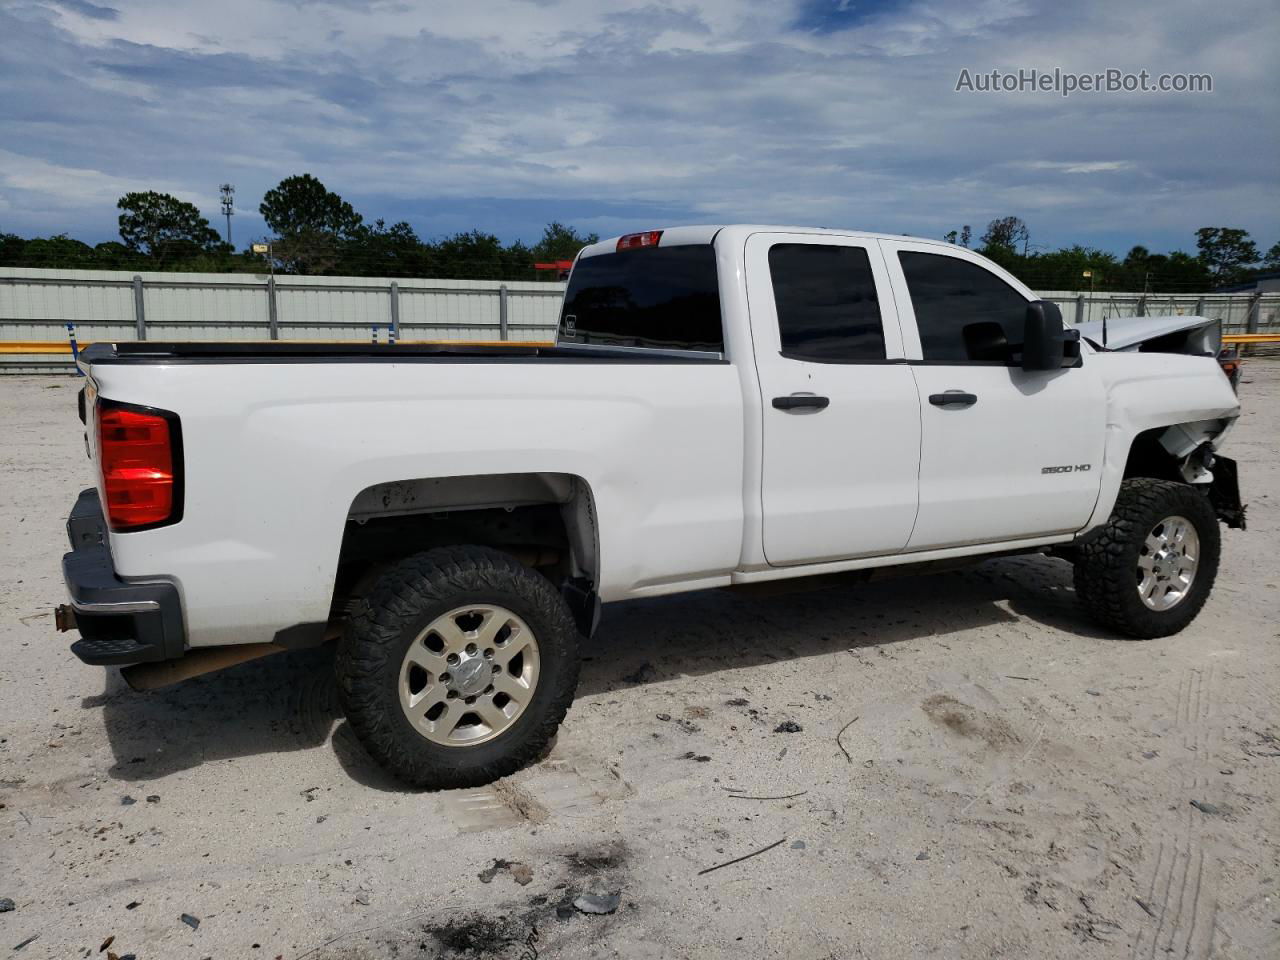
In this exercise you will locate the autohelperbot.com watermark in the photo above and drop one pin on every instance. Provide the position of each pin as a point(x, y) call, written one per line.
point(1065, 82)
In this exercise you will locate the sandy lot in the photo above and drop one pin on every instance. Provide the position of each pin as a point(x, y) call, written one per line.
point(1009, 782)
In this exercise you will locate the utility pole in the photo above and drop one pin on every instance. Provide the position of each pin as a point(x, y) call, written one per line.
point(228, 206)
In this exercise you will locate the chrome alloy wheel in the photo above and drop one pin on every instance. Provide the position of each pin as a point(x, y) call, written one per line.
point(469, 675)
point(1167, 563)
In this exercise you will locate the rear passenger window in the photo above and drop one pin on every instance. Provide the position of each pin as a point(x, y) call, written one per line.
point(826, 300)
point(965, 313)
point(658, 297)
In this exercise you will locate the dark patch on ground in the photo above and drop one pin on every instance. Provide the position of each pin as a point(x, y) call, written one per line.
point(968, 722)
point(476, 935)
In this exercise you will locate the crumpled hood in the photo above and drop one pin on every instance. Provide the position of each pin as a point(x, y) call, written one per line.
point(1127, 333)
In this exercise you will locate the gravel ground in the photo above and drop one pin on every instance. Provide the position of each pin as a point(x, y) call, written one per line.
point(973, 771)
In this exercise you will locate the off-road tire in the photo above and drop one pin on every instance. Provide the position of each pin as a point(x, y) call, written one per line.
point(1106, 560)
point(402, 602)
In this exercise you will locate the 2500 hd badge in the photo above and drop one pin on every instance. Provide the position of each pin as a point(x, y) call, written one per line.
point(1068, 468)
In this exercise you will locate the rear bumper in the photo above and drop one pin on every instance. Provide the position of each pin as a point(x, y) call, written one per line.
point(119, 622)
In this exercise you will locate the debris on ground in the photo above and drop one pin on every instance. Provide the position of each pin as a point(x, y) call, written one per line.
point(308, 793)
point(127, 801)
point(133, 905)
point(521, 873)
point(747, 856)
point(798, 845)
point(6, 905)
point(1208, 808)
point(664, 717)
point(696, 757)
point(31, 939)
point(190, 921)
point(922, 855)
point(737, 702)
point(1093, 693)
point(107, 942)
point(847, 755)
point(788, 726)
point(597, 903)
point(153, 798)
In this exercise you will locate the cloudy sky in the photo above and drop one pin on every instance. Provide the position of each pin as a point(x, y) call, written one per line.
point(641, 113)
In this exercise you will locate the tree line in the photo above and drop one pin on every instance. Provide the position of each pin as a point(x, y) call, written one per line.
point(1224, 256)
point(315, 232)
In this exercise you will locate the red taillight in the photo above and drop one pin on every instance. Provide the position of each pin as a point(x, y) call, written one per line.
point(633, 240)
point(136, 449)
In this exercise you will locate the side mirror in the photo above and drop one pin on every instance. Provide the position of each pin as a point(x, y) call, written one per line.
point(1046, 343)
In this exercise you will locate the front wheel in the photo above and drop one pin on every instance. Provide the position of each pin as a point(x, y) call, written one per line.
point(1149, 570)
point(458, 667)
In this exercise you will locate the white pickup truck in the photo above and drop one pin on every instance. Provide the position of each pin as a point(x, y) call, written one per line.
point(725, 405)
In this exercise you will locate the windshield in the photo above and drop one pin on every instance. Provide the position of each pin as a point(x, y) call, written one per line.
point(663, 297)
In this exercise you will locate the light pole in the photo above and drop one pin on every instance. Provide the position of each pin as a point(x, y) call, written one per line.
point(228, 206)
point(264, 249)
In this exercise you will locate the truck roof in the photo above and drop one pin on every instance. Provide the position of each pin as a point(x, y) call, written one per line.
point(705, 233)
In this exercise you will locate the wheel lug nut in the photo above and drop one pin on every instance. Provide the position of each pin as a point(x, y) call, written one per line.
point(453, 659)
point(445, 678)
point(496, 668)
point(471, 649)
point(488, 654)
point(489, 688)
point(471, 700)
point(451, 695)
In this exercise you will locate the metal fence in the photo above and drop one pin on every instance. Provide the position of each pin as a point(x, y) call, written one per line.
point(1239, 312)
point(45, 315)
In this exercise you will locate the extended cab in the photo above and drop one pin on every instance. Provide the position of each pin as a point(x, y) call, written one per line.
point(725, 405)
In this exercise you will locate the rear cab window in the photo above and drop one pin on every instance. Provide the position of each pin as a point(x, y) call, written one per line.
point(658, 297)
point(825, 296)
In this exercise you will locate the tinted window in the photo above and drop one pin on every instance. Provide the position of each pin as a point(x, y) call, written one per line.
point(964, 311)
point(651, 297)
point(826, 299)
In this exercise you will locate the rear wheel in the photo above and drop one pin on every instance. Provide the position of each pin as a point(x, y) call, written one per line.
point(1149, 570)
point(458, 667)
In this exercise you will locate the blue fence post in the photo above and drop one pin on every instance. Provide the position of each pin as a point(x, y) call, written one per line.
point(75, 347)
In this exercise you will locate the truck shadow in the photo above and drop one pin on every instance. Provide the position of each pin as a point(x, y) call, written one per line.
point(288, 702)
point(646, 641)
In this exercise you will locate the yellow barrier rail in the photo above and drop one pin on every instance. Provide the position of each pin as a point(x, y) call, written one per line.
point(42, 347)
point(1251, 338)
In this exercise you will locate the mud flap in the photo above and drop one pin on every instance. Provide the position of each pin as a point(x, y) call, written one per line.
point(1224, 493)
